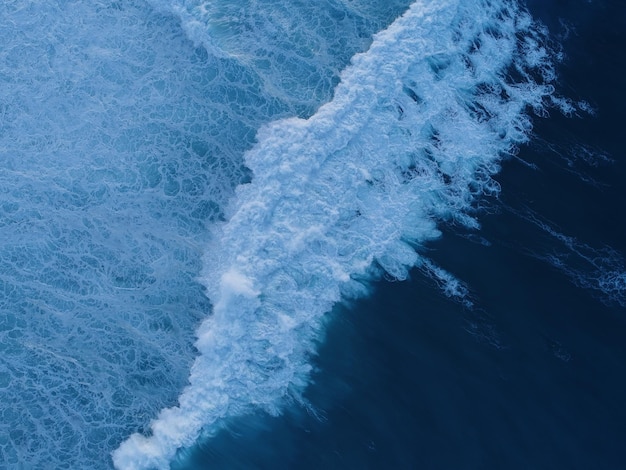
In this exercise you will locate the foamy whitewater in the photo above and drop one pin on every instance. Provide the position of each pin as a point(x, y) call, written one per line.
point(414, 132)
point(180, 209)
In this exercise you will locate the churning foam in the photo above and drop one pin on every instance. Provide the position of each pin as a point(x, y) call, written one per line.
point(296, 48)
point(416, 128)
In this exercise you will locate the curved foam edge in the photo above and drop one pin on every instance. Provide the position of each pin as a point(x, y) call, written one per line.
point(417, 127)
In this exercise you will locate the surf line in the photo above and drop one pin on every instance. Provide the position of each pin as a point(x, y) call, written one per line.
point(417, 127)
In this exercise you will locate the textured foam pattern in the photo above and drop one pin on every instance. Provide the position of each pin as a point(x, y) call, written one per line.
point(415, 131)
point(120, 144)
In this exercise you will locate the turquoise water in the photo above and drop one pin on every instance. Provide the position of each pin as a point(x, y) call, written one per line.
point(190, 189)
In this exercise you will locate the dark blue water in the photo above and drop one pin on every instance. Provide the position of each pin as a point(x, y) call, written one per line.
point(532, 375)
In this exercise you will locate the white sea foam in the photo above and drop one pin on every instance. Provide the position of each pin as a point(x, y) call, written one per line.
point(416, 128)
point(297, 48)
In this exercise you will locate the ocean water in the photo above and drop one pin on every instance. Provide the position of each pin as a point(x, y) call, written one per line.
point(285, 234)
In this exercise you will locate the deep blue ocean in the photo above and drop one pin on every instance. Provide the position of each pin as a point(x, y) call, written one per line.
point(343, 234)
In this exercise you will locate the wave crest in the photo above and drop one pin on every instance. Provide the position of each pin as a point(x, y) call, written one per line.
point(415, 131)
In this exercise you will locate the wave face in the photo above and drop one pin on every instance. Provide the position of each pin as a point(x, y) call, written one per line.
point(414, 133)
point(120, 145)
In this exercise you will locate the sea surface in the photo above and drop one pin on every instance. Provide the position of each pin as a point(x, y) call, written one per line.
point(344, 234)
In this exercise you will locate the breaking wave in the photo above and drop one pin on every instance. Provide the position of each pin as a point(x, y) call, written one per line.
point(417, 127)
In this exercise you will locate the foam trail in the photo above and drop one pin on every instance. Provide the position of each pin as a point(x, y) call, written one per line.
point(415, 131)
point(599, 269)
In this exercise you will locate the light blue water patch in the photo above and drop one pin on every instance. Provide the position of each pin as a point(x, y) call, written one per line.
point(415, 131)
point(106, 187)
point(121, 143)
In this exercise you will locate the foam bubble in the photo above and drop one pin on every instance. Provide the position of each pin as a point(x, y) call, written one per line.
point(416, 128)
